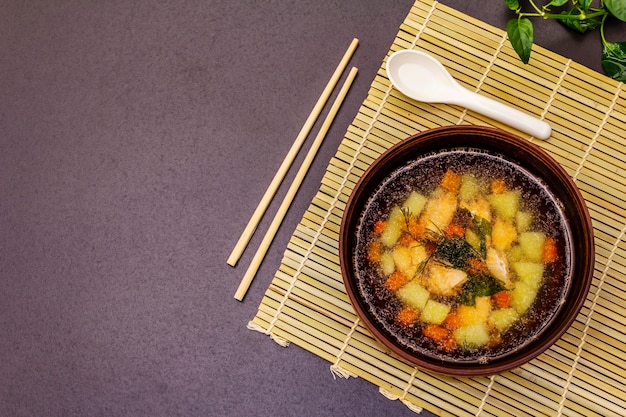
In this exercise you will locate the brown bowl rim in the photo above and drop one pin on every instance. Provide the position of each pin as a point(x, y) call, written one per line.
point(518, 146)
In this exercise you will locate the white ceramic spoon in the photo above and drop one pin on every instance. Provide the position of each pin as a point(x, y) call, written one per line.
point(421, 77)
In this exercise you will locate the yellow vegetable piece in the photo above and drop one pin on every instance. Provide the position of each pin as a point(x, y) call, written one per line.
point(530, 273)
point(506, 204)
point(522, 297)
point(532, 245)
point(472, 336)
point(414, 295)
point(387, 264)
point(478, 313)
point(502, 319)
point(469, 188)
point(523, 221)
point(390, 235)
point(415, 203)
point(503, 234)
point(403, 260)
point(434, 312)
point(515, 254)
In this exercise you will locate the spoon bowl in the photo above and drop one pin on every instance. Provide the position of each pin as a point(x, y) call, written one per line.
point(421, 77)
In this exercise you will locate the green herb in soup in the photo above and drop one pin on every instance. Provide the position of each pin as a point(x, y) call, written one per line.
point(465, 262)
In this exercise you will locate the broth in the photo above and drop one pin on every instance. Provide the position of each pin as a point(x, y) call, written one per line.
point(433, 262)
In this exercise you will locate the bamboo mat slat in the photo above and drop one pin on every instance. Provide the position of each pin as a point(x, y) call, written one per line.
point(584, 373)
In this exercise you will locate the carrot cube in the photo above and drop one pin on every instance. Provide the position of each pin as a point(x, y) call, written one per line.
point(451, 181)
point(435, 332)
point(550, 251)
point(498, 186)
point(502, 299)
point(407, 316)
point(396, 281)
point(374, 252)
point(379, 226)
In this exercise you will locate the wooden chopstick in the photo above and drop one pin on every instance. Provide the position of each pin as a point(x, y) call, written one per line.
point(254, 221)
point(293, 189)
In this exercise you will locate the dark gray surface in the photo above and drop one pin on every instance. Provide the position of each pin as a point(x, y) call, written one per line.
point(136, 139)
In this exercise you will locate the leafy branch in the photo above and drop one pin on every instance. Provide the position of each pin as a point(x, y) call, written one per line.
point(578, 15)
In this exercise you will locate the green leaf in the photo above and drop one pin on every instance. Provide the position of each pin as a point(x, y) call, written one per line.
point(557, 3)
point(512, 4)
point(483, 227)
point(575, 23)
point(584, 4)
point(614, 60)
point(617, 8)
point(454, 252)
point(479, 286)
point(521, 34)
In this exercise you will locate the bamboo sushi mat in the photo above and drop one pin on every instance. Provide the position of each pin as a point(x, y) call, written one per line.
point(584, 373)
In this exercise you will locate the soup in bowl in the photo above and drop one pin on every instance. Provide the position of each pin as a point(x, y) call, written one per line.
point(466, 250)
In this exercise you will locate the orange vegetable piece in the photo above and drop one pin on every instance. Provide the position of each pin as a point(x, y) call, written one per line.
point(396, 281)
point(406, 240)
point(451, 181)
point(498, 186)
point(448, 343)
point(502, 299)
point(455, 229)
point(374, 252)
point(407, 316)
point(416, 229)
point(452, 321)
point(379, 226)
point(436, 332)
point(550, 252)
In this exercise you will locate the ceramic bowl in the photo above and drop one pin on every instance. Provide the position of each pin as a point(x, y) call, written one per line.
point(407, 158)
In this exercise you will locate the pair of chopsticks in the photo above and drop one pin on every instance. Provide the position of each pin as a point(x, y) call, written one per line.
point(245, 237)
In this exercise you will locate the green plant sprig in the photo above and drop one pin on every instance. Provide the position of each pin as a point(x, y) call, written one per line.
point(578, 15)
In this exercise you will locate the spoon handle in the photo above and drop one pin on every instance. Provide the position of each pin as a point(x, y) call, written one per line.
point(505, 114)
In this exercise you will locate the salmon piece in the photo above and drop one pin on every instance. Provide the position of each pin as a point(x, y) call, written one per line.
point(445, 281)
point(498, 266)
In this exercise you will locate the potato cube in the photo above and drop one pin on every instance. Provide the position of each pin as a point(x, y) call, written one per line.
point(469, 188)
point(472, 336)
point(522, 297)
point(392, 231)
point(403, 260)
point(434, 312)
point(503, 234)
point(415, 203)
point(504, 318)
point(532, 245)
point(515, 254)
point(387, 265)
point(530, 273)
point(523, 221)
point(478, 313)
point(506, 204)
point(414, 295)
